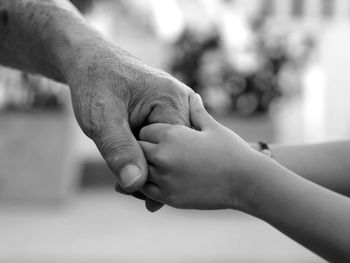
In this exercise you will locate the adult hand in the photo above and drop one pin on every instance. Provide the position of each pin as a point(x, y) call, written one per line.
point(114, 95)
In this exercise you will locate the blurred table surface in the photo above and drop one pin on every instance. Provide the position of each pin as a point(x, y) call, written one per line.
point(103, 226)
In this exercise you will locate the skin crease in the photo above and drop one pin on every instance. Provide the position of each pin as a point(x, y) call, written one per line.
point(210, 167)
point(113, 93)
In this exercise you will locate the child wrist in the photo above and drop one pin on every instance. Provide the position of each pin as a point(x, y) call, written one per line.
point(248, 192)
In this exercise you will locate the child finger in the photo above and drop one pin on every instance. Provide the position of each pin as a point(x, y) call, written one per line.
point(153, 133)
point(149, 150)
point(153, 176)
point(152, 191)
point(200, 118)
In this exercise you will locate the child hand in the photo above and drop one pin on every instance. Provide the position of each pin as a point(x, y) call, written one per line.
point(201, 168)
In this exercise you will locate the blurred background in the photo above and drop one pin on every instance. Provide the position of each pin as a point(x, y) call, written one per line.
point(273, 70)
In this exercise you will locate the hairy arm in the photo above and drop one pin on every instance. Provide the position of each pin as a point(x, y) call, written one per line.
point(35, 34)
point(326, 164)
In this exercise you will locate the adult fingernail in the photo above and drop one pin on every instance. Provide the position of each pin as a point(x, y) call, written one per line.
point(129, 175)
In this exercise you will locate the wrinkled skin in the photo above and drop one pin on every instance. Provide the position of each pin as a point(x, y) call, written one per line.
point(113, 93)
point(114, 98)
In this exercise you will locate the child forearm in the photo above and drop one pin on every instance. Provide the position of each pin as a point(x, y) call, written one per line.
point(327, 164)
point(312, 215)
point(213, 168)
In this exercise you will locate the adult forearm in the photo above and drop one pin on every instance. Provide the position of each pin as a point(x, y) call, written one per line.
point(42, 36)
point(312, 215)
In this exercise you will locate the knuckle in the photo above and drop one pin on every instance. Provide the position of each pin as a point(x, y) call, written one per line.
point(170, 103)
point(174, 93)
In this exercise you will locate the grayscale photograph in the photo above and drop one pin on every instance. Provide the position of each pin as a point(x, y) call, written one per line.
point(174, 131)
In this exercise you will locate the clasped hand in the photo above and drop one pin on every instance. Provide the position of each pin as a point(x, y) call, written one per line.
point(115, 96)
point(199, 168)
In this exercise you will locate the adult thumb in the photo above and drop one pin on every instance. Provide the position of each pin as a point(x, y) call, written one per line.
point(123, 155)
point(199, 117)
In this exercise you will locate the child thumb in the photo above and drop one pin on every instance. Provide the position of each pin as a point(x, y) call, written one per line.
point(199, 117)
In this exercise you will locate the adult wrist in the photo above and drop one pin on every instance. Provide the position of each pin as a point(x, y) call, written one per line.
point(69, 40)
